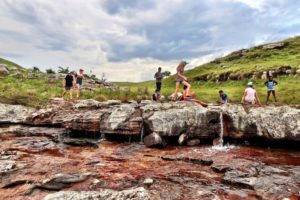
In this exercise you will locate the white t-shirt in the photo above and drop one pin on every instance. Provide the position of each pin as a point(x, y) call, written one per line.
point(250, 94)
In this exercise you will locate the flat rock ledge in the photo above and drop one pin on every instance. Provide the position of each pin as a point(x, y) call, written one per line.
point(156, 121)
point(105, 194)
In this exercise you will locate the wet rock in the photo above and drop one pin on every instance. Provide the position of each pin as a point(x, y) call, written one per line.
point(80, 142)
point(6, 166)
point(13, 114)
point(20, 130)
point(221, 168)
point(59, 181)
point(193, 142)
point(103, 194)
point(148, 181)
point(154, 140)
point(125, 119)
point(182, 139)
point(266, 181)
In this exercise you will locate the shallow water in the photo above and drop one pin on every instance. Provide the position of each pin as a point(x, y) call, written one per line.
point(177, 171)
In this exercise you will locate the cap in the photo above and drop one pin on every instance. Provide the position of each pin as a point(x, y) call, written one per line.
point(81, 70)
point(250, 83)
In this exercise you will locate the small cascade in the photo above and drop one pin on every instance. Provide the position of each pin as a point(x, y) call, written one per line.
point(221, 141)
point(220, 145)
point(142, 135)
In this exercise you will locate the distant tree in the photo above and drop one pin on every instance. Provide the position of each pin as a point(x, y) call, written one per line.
point(50, 71)
point(35, 69)
point(166, 73)
point(62, 70)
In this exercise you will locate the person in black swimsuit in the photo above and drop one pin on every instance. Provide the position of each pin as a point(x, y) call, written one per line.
point(68, 84)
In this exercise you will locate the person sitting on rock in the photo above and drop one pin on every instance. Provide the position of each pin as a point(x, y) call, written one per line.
point(68, 84)
point(271, 88)
point(156, 95)
point(223, 97)
point(250, 95)
point(191, 97)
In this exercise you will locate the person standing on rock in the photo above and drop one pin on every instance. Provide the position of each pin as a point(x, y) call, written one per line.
point(158, 76)
point(271, 88)
point(181, 79)
point(250, 95)
point(68, 84)
point(79, 78)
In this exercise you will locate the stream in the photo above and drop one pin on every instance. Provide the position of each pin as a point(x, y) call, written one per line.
point(175, 172)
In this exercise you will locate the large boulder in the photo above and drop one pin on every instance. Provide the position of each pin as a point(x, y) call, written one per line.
point(3, 70)
point(104, 194)
point(269, 122)
point(172, 119)
point(13, 114)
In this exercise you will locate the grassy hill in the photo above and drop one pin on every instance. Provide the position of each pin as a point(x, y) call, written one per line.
point(230, 73)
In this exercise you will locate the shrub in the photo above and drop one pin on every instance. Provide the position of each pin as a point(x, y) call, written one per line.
point(50, 71)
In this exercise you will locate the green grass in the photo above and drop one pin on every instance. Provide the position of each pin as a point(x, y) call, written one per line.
point(17, 89)
point(287, 89)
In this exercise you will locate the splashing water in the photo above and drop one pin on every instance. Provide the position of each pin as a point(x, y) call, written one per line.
point(142, 135)
point(220, 146)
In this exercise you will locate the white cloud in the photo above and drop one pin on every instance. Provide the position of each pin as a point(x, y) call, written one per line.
point(128, 39)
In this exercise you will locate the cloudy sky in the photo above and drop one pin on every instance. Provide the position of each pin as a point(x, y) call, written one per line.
point(128, 39)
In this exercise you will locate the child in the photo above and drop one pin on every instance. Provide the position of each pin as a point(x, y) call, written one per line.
point(271, 88)
point(223, 97)
point(191, 98)
point(250, 95)
point(156, 95)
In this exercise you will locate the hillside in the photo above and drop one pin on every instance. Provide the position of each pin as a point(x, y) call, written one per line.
point(250, 63)
point(32, 87)
point(230, 73)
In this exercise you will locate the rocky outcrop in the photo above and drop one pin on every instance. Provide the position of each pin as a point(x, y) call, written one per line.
point(3, 70)
point(14, 114)
point(105, 194)
point(158, 121)
point(269, 122)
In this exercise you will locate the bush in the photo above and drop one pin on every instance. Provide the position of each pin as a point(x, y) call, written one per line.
point(35, 69)
point(50, 71)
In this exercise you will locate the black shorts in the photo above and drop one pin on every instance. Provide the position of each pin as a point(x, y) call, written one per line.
point(158, 86)
point(69, 88)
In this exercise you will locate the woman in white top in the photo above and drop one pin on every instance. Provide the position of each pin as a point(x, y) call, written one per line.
point(250, 95)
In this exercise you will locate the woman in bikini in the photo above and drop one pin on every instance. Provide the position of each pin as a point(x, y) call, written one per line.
point(181, 79)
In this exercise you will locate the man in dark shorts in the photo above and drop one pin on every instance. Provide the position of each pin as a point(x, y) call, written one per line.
point(158, 76)
point(68, 84)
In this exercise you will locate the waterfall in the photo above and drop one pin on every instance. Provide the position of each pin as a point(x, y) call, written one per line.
point(142, 135)
point(222, 129)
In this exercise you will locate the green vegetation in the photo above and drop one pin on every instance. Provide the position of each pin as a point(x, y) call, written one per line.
point(17, 88)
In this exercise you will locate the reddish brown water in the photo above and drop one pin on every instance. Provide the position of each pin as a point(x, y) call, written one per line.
point(122, 165)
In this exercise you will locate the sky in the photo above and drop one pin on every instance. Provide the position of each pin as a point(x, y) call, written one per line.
point(129, 39)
